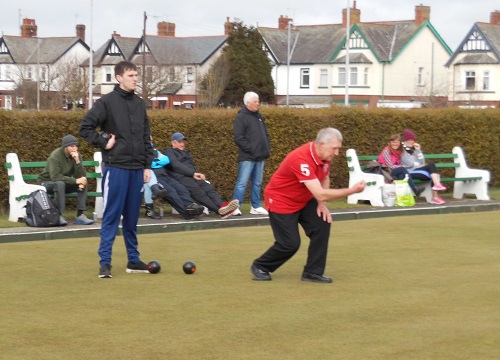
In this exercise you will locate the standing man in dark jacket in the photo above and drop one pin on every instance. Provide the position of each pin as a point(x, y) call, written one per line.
point(127, 155)
point(251, 137)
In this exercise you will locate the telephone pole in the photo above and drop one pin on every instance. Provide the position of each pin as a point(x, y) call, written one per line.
point(144, 92)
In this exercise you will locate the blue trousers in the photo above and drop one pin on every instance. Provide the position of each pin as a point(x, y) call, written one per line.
point(253, 171)
point(122, 196)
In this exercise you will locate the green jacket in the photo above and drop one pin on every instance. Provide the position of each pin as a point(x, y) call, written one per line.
point(62, 167)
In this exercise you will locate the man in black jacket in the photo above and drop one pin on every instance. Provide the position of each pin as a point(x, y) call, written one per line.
point(251, 137)
point(183, 169)
point(127, 155)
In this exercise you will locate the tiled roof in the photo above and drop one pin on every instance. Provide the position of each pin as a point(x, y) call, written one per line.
point(314, 44)
point(183, 50)
point(355, 58)
point(476, 59)
point(387, 39)
point(24, 50)
point(319, 43)
point(492, 33)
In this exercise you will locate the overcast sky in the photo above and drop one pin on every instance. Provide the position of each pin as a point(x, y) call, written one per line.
point(451, 18)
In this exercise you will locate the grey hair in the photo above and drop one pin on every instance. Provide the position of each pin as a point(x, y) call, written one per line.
point(328, 134)
point(249, 96)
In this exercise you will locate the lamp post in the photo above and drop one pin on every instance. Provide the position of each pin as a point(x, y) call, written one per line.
point(288, 64)
point(91, 57)
point(347, 35)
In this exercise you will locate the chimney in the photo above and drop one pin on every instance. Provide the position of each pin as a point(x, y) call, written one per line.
point(354, 15)
point(228, 27)
point(166, 29)
point(115, 34)
point(28, 28)
point(495, 17)
point(283, 22)
point(422, 14)
point(80, 32)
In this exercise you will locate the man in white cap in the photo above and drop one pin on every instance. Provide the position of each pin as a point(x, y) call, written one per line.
point(64, 174)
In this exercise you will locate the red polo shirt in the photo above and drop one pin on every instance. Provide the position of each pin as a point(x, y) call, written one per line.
point(286, 193)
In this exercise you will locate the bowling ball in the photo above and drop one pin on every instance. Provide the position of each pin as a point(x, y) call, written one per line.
point(154, 267)
point(189, 267)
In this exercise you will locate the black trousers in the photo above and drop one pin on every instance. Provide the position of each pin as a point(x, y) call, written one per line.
point(60, 189)
point(287, 239)
point(203, 193)
point(177, 194)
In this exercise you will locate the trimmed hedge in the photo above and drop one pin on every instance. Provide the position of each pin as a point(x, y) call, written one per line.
point(33, 135)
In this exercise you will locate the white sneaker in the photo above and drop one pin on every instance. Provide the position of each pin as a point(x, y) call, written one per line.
point(258, 211)
point(236, 212)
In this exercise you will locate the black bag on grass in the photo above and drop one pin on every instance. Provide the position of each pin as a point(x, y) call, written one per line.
point(41, 211)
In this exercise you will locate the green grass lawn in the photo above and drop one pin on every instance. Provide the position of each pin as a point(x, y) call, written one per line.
point(421, 287)
point(333, 205)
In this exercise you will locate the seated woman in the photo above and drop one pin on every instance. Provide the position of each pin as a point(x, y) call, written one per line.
point(413, 160)
point(391, 156)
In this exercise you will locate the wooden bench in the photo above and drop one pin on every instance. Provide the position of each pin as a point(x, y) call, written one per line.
point(19, 190)
point(465, 179)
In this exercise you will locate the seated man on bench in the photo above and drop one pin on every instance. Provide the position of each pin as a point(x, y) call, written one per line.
point(183, 169)
point(64, 174)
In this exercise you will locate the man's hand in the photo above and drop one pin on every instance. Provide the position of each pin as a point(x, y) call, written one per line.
point(323, 212)
point(416, 146)
point(82, 180)
point(147, 175)
point(359, 187)
point(199, 176)
point(111, 142)
point(75, 156)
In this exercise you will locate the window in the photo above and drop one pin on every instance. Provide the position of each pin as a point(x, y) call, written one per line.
point(470, 80)
point(107, 74)
point(486, 80)
point(365, 77)
point(189, 74)
point(149, 74)
point(304, 78)
point(323, 78)
point(171, 74)
point(420, 76)
point(43, 73)
point(29, 73)
point(354, 76)
point(93, 75)
point(342, 76)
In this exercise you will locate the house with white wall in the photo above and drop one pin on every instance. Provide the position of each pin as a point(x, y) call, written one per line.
point(29, 61)
point(389, 61)
point(474, 67)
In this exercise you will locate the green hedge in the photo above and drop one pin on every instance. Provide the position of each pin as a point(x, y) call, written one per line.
point(33, 135)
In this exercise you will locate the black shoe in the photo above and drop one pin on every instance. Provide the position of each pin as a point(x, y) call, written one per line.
point(105, 271)
point(260, 275)
point(420, 190)
point(195, 209)
point(150, 212)
point(306, 276)
point(139, 267)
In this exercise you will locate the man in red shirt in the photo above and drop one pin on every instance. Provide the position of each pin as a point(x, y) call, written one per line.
point(297, 194)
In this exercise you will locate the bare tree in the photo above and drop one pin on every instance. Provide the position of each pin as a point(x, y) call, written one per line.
point(71, 83)
point(212, 85)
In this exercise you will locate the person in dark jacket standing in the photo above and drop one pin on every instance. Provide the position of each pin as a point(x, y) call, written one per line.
point(124, 140)
point(251, 137)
